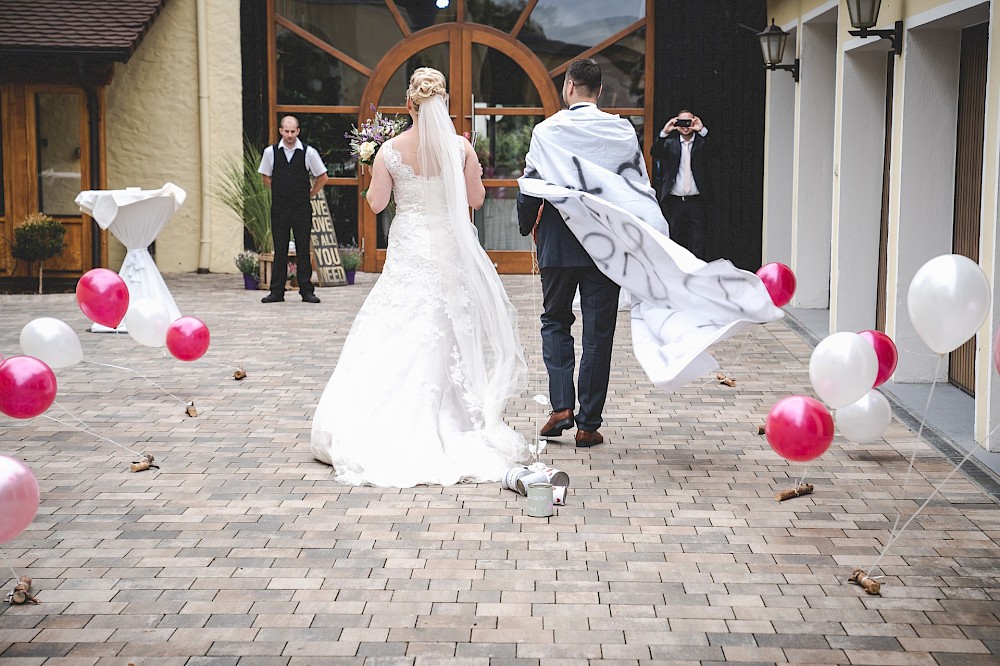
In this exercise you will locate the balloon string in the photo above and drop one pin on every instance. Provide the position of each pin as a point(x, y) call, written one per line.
point(893, 535)
point(134, 371)
point(17, 579)
point(803, 477)
point(748, 337)
point(89, 431)
point(536, 449)
point(923, 420)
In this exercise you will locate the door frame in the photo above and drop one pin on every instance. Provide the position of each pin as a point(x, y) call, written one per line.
point(21, 177)
point(460, 37)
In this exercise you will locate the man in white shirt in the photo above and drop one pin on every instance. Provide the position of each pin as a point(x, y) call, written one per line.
point(681, 149)
point(288, 178)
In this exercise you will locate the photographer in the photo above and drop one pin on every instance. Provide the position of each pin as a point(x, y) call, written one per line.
point(681, 149)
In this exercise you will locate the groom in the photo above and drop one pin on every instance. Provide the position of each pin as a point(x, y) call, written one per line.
point(566, 267)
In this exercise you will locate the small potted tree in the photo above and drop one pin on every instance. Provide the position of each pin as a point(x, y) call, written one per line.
point(248, 263)
point(38, 238)
point(350, 259)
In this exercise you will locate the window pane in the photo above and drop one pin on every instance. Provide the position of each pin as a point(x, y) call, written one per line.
point(307, 75)
point(557, 31)
point(363, 30)
point(496, 221)
point(343, 203)
point(499, 81)
point(499, 14)
point(420, 14)
point(623, 65)
point(325, 132)
point(502, 142)
point(395, 91)
point(57, 117)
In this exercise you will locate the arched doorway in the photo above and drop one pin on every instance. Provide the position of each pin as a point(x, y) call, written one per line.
point(499, 91)
point(330, 61)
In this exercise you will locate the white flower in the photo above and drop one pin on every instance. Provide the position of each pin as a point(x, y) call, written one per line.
point(367, 150)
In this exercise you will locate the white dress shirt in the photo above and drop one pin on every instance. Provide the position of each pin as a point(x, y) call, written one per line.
point(314, 163)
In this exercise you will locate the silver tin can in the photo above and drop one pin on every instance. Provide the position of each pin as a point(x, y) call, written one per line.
point(540, 500)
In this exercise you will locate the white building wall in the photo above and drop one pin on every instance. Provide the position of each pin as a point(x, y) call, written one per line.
point(152, 128)
point(812, 225)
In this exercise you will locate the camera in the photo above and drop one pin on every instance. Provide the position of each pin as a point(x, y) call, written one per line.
point(683, 122)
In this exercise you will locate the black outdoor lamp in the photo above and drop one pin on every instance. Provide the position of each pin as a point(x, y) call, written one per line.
point(772, 45)
point(864, 15)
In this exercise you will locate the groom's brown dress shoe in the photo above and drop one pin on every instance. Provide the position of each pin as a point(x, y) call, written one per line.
point(584, 438)
point(558, 421)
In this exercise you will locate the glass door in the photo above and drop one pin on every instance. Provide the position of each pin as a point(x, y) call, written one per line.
point(498, 92)
point(45, 156)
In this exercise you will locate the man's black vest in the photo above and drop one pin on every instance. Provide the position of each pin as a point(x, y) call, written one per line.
point(290, 179)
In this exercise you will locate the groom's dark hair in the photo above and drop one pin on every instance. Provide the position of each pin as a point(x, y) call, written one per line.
point(585, 73)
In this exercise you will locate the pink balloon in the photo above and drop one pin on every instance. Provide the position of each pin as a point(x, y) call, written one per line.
point(188, 338)
point(27, 387)
point(779, 280)
point(996, 350)
point(18, 497)
point(885, 350)
point(799, 428)
point(103, 296)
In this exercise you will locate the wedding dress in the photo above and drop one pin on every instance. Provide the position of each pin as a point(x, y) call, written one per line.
point(418, 391)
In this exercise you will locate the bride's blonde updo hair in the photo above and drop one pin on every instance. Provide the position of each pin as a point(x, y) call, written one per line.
point(425, 83)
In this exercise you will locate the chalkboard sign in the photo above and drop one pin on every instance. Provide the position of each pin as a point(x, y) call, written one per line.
point(325, 252)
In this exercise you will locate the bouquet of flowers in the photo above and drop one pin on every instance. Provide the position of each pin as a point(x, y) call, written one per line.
point(369, 137)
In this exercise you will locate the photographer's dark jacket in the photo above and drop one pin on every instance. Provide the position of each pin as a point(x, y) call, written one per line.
point(668, 151)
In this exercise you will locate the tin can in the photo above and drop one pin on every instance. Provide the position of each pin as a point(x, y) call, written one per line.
point(551, 475)
point(511, 477)
point(540, 500)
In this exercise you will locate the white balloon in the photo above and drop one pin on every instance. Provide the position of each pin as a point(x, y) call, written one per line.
point(147, 322)
point(865, 420)
point(843, 368)
point(51, 341)
point(948, 301)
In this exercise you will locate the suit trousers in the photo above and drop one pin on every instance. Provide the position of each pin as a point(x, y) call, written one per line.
point(599, 309)
point(686, 218)
point(295, 219)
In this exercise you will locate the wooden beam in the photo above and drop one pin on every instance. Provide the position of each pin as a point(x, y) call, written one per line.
point(321, 45)
point(523, 18)
point(621, 34)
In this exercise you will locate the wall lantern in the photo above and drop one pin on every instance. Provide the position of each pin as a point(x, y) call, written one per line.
point(772, 45)
point(864, 15)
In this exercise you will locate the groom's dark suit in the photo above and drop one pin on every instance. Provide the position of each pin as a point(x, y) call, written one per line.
point(566, 266)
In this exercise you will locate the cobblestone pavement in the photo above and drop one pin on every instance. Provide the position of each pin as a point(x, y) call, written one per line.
point(241, 549)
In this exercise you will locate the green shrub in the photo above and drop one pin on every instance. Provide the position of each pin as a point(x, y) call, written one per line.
point(350, 258)
point(248, 262)
point(37, 238)
point(240, 188)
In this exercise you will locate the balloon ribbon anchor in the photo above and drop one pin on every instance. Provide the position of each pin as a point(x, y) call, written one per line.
point(801, 489)
point(22, 592)
point(144, 463)
point(240, 373)
point(190, 410)
point(871, 585)
point(725, 379)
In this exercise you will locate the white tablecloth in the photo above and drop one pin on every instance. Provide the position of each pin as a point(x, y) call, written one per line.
point(135, 217)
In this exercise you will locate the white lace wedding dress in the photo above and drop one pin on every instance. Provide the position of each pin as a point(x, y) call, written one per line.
point(403, 406)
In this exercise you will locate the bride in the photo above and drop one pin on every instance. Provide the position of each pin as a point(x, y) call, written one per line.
point(433, 355)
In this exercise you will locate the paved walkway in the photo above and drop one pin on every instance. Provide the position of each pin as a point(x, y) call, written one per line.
point(241, 549)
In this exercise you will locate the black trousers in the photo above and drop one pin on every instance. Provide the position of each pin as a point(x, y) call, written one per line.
point(599, 309)
point(686, 217)
point(295, 219)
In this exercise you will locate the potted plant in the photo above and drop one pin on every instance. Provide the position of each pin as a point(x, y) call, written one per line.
point(240, 188)
point(350, 259)
point(37, 238)
point(248, 263)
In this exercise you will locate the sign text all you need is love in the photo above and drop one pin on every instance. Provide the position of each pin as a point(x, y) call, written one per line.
point(325, 251)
